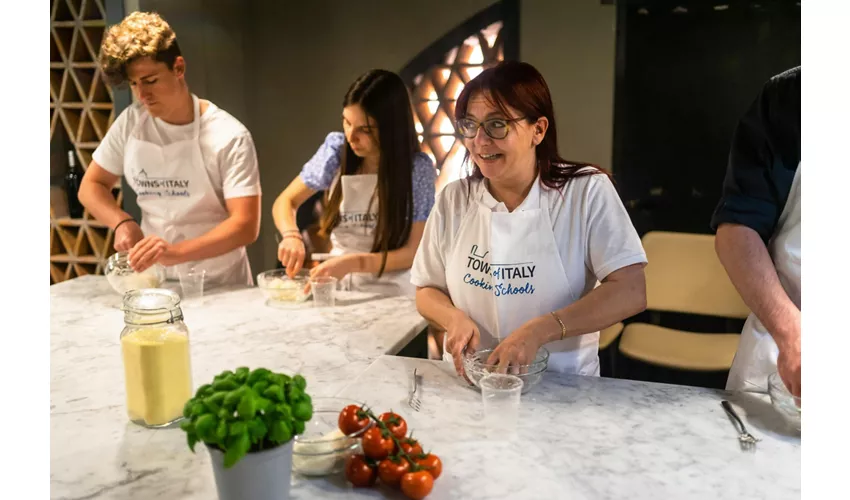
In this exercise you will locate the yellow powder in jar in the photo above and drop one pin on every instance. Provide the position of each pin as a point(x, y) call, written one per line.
point(158, 375)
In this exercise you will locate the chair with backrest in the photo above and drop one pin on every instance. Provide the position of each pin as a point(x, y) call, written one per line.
point(684, 275)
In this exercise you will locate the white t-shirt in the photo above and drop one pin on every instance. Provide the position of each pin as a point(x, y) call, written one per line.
point(594, 234)
point(226, 147)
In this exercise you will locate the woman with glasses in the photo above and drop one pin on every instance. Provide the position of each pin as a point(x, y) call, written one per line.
point(381, 189)
point(531, 250)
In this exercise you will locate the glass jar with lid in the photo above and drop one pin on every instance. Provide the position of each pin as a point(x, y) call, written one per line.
point(155, 350)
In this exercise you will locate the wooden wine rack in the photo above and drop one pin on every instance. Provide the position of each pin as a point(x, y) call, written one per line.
point(83, 103)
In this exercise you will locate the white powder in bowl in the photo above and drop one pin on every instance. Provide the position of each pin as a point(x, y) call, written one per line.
point(319, 458)
point(135, 281)
point(285, 290)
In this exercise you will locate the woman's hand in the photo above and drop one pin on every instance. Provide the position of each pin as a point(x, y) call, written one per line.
point(338, 267)
point(519, 348)
point(462, 333)
point(290, 253)
point(152, 250)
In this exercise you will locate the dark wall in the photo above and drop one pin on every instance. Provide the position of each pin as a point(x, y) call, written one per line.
point(302, 56)
point(283, 67)
point(572, 44)
point(213, 38)
point(683, 80)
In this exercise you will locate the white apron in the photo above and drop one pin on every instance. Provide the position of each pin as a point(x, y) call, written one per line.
point(178, 201)
point(757, 352)
point(355, 233)
point(505, 269)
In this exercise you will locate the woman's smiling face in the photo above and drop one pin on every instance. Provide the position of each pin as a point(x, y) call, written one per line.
point(500, 159)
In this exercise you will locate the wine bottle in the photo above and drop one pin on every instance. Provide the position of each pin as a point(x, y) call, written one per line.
point(72, 186)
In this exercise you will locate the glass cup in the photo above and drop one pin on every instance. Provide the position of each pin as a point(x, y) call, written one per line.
point(192, 282)
point(501, 395)
point(324, 291)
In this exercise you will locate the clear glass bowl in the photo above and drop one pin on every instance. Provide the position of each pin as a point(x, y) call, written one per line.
point(531, 374)
point(280, 289)
point(322, 448)
point(122, 278)
point(788, 405)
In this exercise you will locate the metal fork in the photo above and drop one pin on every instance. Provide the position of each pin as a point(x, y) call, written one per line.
point(413, 401)
point(745, 439)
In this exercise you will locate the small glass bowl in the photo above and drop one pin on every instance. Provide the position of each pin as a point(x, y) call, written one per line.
point(280, 289)
point(322, 448)
point(122, 278)
point(530, 374)
point(788, 405)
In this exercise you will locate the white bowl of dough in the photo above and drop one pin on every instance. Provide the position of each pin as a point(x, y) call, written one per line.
point(280, 289)
point(122, 278)
point(322, 448)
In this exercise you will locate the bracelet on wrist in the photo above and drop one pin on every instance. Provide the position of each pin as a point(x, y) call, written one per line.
point(561, 324)
point(122, 222)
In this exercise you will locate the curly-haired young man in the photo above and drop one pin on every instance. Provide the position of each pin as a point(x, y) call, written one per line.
point(192, 165)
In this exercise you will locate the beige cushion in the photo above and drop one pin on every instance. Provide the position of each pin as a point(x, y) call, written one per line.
point(685, 275)
point(609, 335)
point(679, 349)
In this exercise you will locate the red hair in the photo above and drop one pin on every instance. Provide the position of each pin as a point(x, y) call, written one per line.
point(520, 86)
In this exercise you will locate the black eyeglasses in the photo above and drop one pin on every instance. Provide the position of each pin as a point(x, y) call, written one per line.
point(496, 128)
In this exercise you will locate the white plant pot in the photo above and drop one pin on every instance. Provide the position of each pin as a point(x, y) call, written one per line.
point(264, 475)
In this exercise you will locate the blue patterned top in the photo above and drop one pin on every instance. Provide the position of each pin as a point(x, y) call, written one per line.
point(319, 173)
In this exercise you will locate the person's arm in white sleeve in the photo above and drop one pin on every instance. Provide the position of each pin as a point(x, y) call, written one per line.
point(242, 197)
point(616, 257)
point(102, 174)
point(428, 274)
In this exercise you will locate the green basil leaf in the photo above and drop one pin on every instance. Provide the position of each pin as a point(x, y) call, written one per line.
point(247, 407)
point(258, 375)
point(303, 411)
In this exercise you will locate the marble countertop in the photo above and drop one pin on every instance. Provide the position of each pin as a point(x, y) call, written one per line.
point(582, 438)
point(97, 453)
point(578, 438)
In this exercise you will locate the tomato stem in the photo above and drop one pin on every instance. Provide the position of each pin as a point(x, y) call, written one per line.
point(414, 467)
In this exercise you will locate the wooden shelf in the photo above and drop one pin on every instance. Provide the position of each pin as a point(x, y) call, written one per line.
point(98, 239)
point(70, 259)
point(81, 103)
point(69, 222)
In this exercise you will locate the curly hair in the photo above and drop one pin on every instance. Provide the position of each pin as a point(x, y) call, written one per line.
point(141, 34)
